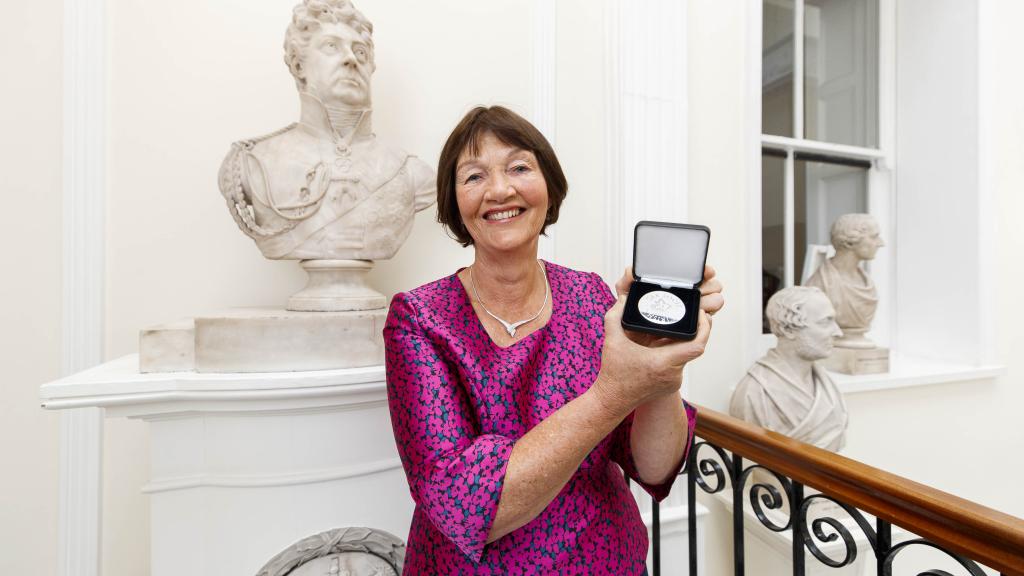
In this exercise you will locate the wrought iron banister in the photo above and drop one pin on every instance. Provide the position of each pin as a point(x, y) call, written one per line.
point(957, 525)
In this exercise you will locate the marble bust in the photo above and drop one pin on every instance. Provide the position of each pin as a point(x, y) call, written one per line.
point(325, 190)
point(354, 551)
point(787, 390)
point(856, 239)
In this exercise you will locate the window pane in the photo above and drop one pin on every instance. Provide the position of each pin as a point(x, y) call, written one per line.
point(772, 229)
point(777, 68)
point(823, 192)
point(841, 71)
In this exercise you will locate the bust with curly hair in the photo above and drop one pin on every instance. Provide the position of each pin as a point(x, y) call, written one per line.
point(842, 278)
point(786, 390)
point(324, 188)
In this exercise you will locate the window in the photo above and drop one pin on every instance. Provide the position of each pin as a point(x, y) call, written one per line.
point(833, 125)
point(820, 129)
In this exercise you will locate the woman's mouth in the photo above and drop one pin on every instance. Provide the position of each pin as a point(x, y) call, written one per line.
point(503, 215)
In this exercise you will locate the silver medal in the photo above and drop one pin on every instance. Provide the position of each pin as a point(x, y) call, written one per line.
point(661, 307)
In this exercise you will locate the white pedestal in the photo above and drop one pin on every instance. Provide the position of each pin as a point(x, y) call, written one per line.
point(244, 465)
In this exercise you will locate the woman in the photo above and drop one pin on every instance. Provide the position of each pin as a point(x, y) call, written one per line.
point(515, 395)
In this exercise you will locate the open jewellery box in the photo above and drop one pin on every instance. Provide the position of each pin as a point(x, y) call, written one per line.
point(668, 268)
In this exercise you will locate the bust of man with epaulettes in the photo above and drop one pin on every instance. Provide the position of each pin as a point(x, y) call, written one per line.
point(325, 188)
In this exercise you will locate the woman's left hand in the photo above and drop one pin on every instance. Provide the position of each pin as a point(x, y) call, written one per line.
point(711, 301)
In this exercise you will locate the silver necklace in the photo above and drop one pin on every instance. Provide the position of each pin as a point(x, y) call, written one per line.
point(511, 327)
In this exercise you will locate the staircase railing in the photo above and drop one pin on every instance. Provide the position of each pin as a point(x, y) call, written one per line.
point(728, 453)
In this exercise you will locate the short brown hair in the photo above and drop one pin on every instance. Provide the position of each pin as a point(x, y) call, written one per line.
point(512, 130)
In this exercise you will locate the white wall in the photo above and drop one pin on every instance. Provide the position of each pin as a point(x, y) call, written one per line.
point(186, 82)
point(965, 438)
point(937, 176)
point(719, 166)
point(30, 161)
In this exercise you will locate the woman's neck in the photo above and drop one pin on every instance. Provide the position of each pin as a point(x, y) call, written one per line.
point(510, 284)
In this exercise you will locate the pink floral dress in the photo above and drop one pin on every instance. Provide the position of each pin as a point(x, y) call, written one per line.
point(458, 404)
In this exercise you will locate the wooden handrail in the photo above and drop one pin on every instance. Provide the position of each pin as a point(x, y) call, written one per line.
point(982, 534)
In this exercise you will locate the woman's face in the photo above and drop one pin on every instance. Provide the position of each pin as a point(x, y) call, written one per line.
point(502, 195)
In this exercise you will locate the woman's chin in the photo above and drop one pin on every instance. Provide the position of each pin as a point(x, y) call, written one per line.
point(508, 241)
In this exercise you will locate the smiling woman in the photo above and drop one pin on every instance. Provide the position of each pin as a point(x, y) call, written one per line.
point(516, 411)
point(515, 149)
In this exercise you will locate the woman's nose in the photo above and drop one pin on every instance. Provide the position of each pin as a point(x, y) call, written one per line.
point(500, 188)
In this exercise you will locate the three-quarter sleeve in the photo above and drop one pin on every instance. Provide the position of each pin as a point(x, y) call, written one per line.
point(622, 452)
point(455, 473)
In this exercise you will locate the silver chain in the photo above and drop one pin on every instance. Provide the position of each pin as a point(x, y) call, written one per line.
point(511, 327)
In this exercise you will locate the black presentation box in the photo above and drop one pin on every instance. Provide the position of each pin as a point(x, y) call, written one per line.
point(668, 268)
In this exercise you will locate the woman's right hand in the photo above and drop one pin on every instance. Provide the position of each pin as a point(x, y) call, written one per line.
point(636, 370)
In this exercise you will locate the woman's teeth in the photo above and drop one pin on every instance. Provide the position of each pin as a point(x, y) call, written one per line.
point(504, 215)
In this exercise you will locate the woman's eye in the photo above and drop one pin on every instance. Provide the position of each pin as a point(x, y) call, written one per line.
point(520, 168)
point(471, 178)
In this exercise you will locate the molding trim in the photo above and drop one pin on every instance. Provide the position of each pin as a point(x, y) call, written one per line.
point(988, 243)
point(84, 166)
point(81, 490)
point(647, 121)
point(177, 402)
point(545, 94)
point(753, 338)
point(119, 387)
point(271, 480)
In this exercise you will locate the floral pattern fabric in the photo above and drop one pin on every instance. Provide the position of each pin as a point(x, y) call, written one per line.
point(458, 404)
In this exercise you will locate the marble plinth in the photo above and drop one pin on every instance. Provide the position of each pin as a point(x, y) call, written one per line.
point(168, 347)
point(858, 360)
point(336, 286)
point(244, 465)
point(264, 340)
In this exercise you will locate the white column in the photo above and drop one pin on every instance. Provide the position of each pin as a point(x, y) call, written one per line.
point(544, 90)
point(81, 489)
point(81, 437)
point(647, 128)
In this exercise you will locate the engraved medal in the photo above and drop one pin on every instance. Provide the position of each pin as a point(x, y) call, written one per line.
point(661, 307)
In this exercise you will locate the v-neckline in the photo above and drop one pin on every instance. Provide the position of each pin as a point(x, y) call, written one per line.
point(467, 302)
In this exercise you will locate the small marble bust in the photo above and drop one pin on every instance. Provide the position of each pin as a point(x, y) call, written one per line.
point(325, 188)
point(354, 551)
point(842, 278)
point(787, 390)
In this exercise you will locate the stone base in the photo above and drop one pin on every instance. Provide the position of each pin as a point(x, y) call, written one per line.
point(168, 347)
point(264, 340)
point(336, 286)
point(858, 360)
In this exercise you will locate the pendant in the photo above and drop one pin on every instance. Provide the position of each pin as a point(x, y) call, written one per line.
point(510, 327)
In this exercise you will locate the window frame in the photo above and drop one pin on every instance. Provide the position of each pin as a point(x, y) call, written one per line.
point(880, 185)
